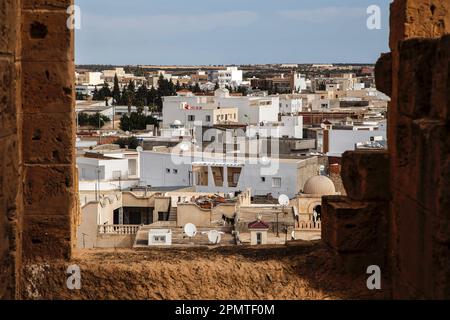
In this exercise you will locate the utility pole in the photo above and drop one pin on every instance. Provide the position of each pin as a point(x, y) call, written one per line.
point(99, 131)
point(278, 234)
point(98, 183)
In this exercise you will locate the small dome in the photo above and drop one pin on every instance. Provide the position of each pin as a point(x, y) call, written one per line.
point(319, 185)
point(177, 123)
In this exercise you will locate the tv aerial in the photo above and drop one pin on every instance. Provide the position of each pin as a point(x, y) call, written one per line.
point(190, 230)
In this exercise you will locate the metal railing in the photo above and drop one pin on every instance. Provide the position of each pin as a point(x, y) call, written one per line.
point(118, 229)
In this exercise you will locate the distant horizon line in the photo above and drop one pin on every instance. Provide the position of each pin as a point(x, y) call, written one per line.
point(224, 65)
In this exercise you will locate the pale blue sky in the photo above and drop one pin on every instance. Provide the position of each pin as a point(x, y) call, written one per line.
point(229, 31)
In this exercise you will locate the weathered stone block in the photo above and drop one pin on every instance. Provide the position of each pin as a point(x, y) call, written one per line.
point(354, 226)
point(48, 190)
point(365, 174)
point(48, 138)
point(418, 19)
point(417, 57)
point(46, 236)
point(8, 26)
point(418, 167)
point(440, 97)
point(9, 177)
point(46, 4)
point(47, 87)
point(383, 74)
point(42, 30)
point(8, 113)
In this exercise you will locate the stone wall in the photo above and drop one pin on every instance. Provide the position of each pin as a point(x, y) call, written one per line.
point(10, 147)
point(37, 167)
point(409, 187)
point(419, 148)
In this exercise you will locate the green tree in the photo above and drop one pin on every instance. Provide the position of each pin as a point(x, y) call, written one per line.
point(197, 88)
point(130, 143)
point(116, 91)
point(141, 96)
point(152, 96)
point(94, 120)
point(136, 121)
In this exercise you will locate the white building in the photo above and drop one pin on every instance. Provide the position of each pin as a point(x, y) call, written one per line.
point(299, 82)
point(90, 79)
point(160, 237)
point(109, 75)
point(288, 127)
point(290, 103)
point(250, 109)
point(208, 172)
point(340, 141)
point(230, 77)
point(114, 170)
point(176, 130)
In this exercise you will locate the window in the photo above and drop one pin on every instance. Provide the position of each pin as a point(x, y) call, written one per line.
point(208, 118)
point(276, 182)
point(175, 171)
point(159, 239)
point(167, 170)
point(191, 118)
point(263, 179)
point(259, 238)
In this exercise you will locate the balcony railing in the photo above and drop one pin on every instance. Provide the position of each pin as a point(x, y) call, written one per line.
point(118, 229)
point(309, 225)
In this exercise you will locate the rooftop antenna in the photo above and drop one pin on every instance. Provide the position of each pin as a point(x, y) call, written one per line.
point(283, 200)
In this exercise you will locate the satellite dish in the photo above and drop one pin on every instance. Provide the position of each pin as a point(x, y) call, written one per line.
point(190, 230)
point(293, 235)
point(139, 149)
point(283, 200)
point(214, 236)
point(184, 146)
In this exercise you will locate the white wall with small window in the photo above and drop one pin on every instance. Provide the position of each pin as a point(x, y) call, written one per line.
point(160, 237)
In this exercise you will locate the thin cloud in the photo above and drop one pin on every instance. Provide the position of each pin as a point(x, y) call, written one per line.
point(172, 23)
point(321, 15)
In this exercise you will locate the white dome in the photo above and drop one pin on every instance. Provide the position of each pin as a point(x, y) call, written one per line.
point(319, 185)
point(177, 123)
